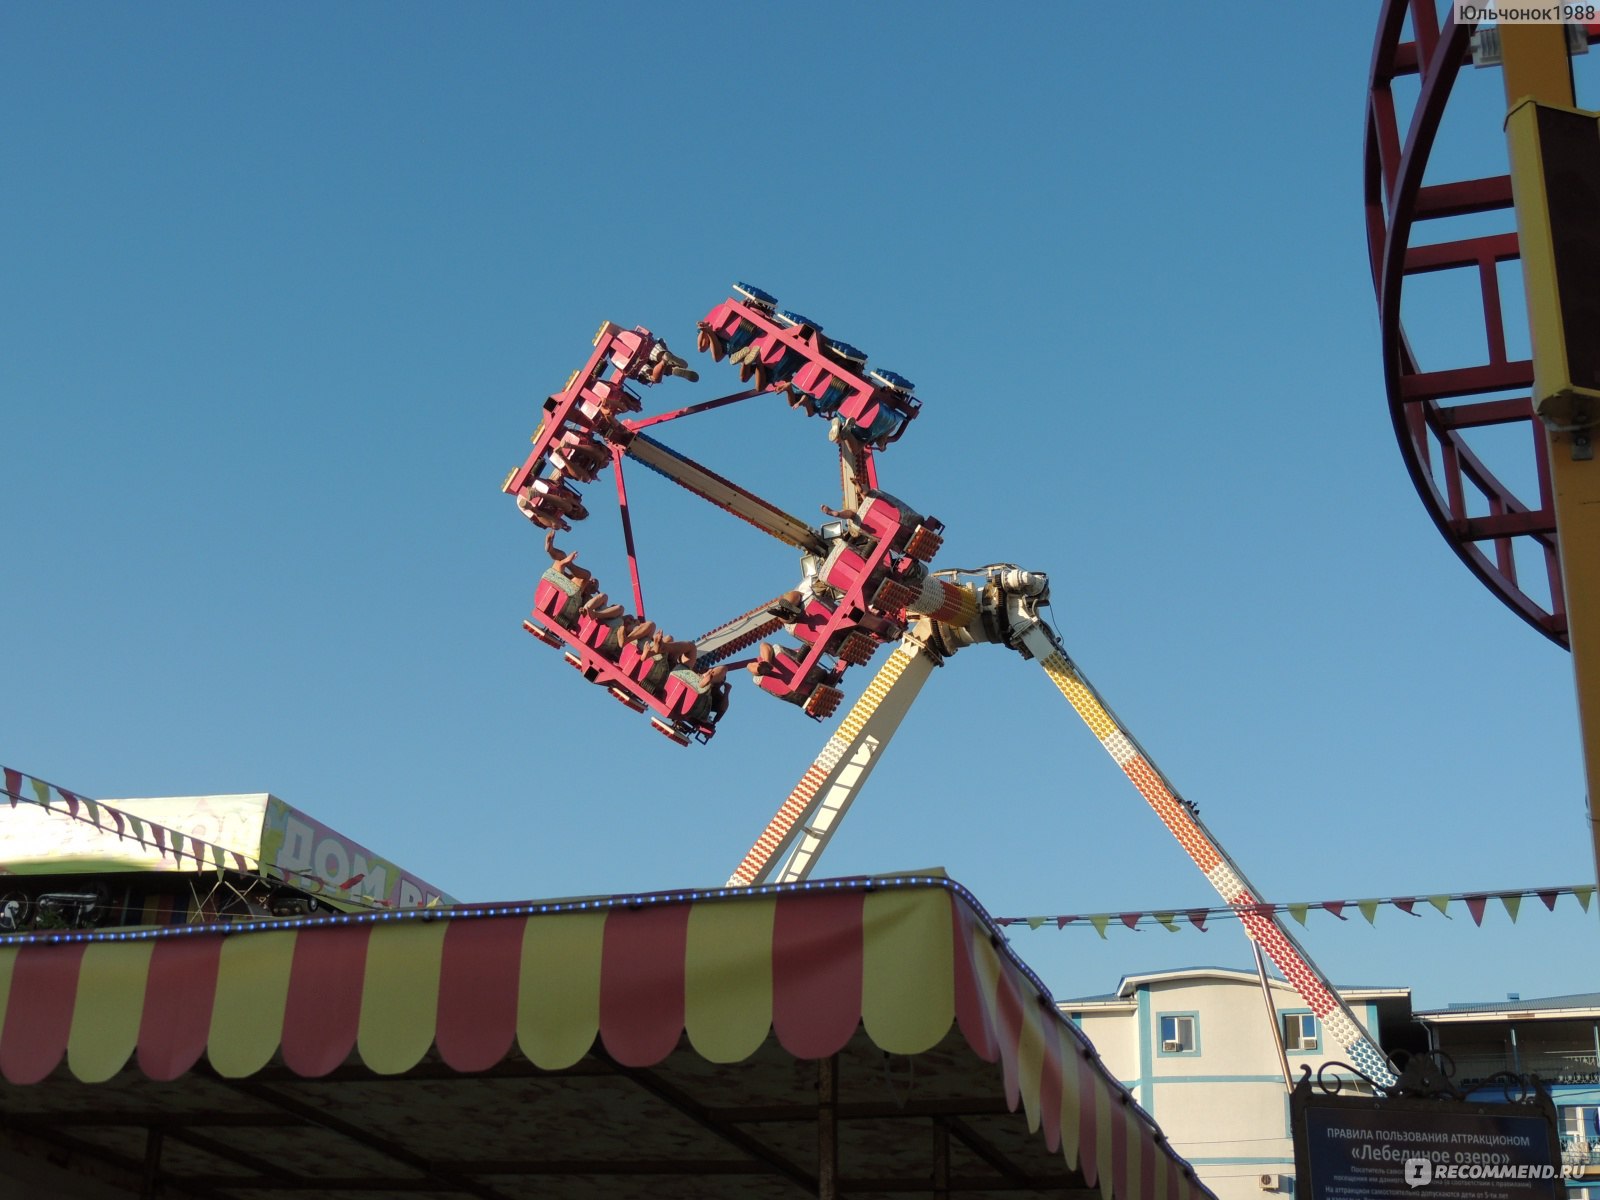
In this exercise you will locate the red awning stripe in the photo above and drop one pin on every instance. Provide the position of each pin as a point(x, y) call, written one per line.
point(44, 984)
point(641, 983)
point(972, 1015)
point(477, 1019)
point(816, 972)
point(322, 1015)
point(1120, 1166)
point(179, 990)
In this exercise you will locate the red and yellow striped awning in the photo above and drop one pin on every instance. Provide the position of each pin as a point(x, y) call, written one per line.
point(805, 965)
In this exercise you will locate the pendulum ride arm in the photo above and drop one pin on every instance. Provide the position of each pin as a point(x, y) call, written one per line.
point(1035, 639)
point(1008, 614)
point(795, 837)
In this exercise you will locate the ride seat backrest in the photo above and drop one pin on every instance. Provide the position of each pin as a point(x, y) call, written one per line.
point(724, 318)
point(556, 597)
point(862, 406)
point(728, 320)
point(592, 633)
point(627, 347)
point(630, 659)
point(880, 517)
point(654, 673)
point(843, 568)
point(810, 627)
point(684, 694)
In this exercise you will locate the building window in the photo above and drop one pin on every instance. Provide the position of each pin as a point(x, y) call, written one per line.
point(1179, 1033)
point(1299, 1032)
point(1580, 1125)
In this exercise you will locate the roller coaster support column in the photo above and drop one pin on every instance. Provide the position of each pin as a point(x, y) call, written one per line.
point(1555, 172)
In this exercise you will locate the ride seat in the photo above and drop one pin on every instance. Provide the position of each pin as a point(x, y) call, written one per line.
point(880, 517)
point(842, 568)
point(812, 624)
point(687, 699)
point(629, 347)
point(592, 633)
point(557, 597)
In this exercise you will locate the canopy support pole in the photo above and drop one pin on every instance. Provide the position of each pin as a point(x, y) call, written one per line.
point(941, 1159)
point(152, 1162)
point(828, 1128)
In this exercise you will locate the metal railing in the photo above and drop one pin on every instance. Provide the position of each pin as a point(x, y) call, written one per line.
point(1552, 1066)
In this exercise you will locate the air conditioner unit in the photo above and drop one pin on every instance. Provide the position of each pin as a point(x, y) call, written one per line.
point(1172, 1047)
point(1309, 1043)
point(1270, 1183)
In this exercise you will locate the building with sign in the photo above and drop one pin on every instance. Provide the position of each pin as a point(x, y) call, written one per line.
point(1194, 1047)
point(1557, 1038)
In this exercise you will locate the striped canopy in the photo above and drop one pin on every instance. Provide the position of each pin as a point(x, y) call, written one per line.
point(889, 966)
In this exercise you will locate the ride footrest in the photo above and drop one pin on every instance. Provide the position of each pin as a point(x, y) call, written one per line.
point(627, 697)
point(667, 730)
point(823, 702)
point(858, 648)
point(923, 544)
point(544, 635)
point(892, 595)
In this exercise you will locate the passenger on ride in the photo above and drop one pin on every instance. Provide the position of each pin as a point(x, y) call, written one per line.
point(578, 454)
point(658, 364)
point(658, 654)
point(780, 666)
point(574, 584)
point(791, 606)
point(562, 562)
point(548, 502)
point(529, 508)
point(816, 389)
point(605, 400)
point(676, 653)
point(710, 689)
point(878, 432)
point(854, 530)
point(624, 629)
point(563, 496)
point(599, 607)
point(721, 340)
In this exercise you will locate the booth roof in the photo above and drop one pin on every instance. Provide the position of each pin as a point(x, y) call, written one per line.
point(655, 1045)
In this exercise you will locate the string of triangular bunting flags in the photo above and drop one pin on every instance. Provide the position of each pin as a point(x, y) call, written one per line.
point(22, 788)
point(1172, 919)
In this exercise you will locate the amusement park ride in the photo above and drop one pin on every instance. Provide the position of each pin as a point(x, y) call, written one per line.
point(864, 583)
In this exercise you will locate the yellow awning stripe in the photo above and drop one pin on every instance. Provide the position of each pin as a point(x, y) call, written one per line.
point(247, 1014)
point(108, 1009)
point(400, 995)
point(558, 997)
point(908, 969)
point(727, 979)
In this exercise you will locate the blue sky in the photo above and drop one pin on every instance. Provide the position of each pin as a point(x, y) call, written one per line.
point(285, 285)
